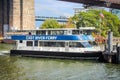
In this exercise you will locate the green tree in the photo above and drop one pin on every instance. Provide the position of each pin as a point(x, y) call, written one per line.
point(92, 18)
point(70, 24)
point(50, 23)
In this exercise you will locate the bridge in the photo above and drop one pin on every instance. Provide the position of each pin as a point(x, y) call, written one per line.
point(59, 19)
point(103, 3)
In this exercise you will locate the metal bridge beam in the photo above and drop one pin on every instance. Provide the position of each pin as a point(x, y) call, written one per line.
point(102, 3)
point(43, 18)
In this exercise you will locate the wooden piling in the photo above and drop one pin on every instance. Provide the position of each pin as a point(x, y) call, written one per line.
point(118, 55)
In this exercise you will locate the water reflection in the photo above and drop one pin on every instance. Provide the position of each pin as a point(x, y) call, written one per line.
point(8, 68)
point(21, 68)
point(113, 71)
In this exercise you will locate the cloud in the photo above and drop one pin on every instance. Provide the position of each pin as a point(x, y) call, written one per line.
point(54, 8)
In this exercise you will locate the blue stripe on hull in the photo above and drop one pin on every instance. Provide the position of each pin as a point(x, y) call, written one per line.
point(52, 37)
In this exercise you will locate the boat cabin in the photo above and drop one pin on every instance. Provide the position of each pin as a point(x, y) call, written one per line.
point(62, 40)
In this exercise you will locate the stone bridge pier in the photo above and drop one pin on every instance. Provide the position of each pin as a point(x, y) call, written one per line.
point(16, 15)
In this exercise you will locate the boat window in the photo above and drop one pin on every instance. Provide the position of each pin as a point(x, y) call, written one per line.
point(57, 32)
point(87, 32)
point(41, 32)
point(75, 31)
point(60, 44)
point(81, 32)
point(69, 32)
point(54, 32)
point(93, 43)
point(29, 43)
point(37, 33)
point(65, 32)
point(75, 44)
point(61, 32)
point(41, 43)
point(67, 44)
point(21, 41)
point(35, 43)
point(86, 44)
point(49, 32)
point(52, 44)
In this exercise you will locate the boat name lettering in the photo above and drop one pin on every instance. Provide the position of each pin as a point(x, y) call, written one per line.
point(41, 37)
point(29, 37)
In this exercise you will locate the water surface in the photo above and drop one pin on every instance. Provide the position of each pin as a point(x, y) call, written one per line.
point(26, 68)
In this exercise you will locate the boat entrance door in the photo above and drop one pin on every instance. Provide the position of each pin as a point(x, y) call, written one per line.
point(66, 46)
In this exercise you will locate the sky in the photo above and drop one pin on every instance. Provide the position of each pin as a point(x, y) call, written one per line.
point(54, 8)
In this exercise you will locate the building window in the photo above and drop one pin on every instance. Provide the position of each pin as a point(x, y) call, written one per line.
point(29, 43)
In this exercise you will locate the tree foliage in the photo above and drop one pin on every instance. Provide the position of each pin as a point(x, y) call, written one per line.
point(92, 18)
point(50, 23)
point(70, 24)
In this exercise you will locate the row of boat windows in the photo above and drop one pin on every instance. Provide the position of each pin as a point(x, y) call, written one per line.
point(57, 44)
point(62, 32)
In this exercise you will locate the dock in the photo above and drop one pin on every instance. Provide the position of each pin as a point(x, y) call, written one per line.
point(111, 54)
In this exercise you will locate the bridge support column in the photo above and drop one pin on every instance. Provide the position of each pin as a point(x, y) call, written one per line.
point(4, 16)
point(22, 15)
point(16, 14)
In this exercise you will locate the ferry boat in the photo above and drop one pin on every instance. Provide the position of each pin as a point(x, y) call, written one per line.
point(57, 43)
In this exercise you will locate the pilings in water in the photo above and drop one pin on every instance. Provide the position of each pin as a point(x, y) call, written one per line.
point(110, 42)
point(110, 46)
point(110, 55)
point(118, 55)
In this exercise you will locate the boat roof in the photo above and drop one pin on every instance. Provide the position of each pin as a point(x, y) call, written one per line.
point(81, 28)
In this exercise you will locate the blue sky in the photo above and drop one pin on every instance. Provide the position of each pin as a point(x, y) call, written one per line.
point(54, 8)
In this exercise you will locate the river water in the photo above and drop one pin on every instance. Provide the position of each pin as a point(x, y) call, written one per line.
point(27, 68)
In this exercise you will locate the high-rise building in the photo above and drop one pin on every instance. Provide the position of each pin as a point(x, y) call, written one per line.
point(116, 11)
point(78, 10)
point(16, 15)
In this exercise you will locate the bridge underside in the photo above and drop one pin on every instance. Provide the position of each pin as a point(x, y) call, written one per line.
point(103, 3)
